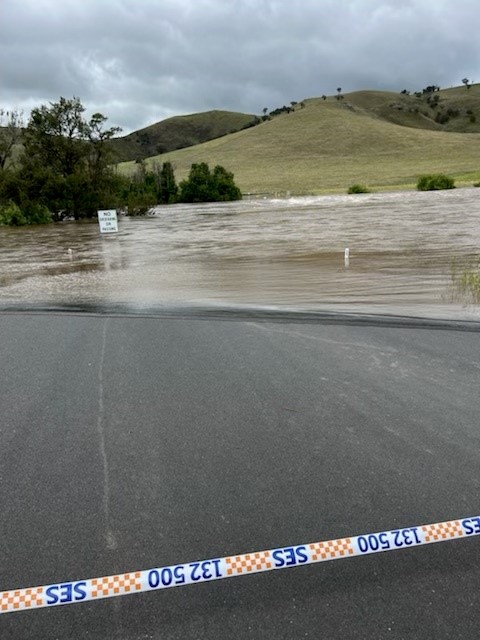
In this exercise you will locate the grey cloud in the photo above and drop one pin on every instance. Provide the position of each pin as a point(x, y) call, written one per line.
point(140, 61)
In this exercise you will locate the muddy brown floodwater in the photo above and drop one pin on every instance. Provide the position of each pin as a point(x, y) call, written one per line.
point(267, 253)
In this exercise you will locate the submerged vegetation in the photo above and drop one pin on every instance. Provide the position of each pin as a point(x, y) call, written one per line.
point(154, 185)
point(466, 279)
point(11, 214)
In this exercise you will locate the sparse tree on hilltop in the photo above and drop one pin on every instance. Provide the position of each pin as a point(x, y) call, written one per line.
point(466, 82)
point(431, 88)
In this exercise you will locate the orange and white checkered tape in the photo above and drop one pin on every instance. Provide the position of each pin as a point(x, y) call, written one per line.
point(232, 566)
point(249, 562)
point(22, 599)
point(331, 549)
point(116, 585)
point(443, 531)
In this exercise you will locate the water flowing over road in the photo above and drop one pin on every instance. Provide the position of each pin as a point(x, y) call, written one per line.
point(272, 253)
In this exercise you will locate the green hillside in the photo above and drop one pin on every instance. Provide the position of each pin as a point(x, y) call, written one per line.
point(331, 144)
point(456, 109)
point(179, 132)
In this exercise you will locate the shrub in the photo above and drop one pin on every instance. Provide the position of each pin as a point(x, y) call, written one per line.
point(435, 182)
point(358, 188)
point(30, 213)
point(476, 184)
point(11, 214)
point(37, 213)
point(442, 118)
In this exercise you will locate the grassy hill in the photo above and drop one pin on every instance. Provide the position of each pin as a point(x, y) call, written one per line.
point(330, 144)
point(179, 132)
point(456, 109)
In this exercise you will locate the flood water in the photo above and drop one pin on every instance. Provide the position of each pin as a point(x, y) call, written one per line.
point(267, 253)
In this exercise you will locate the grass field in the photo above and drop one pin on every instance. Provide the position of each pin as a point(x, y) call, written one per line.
point(329, 145)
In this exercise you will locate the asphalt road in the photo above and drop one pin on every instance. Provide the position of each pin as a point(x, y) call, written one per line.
point(130, 443)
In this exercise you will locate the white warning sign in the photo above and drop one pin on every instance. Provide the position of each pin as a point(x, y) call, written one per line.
point(107, 219)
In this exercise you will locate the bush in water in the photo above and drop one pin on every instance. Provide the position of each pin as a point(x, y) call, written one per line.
point(32, 213)
point(10, 214)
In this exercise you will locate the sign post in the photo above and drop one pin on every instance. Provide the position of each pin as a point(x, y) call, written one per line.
point(107, 219)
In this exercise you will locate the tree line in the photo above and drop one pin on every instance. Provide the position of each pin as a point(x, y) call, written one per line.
point(65, 168)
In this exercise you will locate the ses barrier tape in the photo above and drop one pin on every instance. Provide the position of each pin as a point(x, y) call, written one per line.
point(233, 566)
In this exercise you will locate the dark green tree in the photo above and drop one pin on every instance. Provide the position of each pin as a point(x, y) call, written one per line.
point(167, 187)
point(56, 136)
point(66, 161)
point(99, 160)
point(204, 186)
point(224, 185)
point(198, 186)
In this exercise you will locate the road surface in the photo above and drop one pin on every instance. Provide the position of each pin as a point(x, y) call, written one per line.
point(134, 442)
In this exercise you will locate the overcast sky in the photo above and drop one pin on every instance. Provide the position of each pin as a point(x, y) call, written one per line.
point(140, 61)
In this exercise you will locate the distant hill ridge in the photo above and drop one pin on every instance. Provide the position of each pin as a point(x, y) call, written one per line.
point(380, 138)
point(456, 109)
point(179, 132)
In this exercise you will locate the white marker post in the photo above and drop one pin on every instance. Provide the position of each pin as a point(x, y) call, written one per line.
point(107, 219)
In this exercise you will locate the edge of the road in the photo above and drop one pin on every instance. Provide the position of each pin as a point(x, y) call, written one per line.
point(246, 314)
